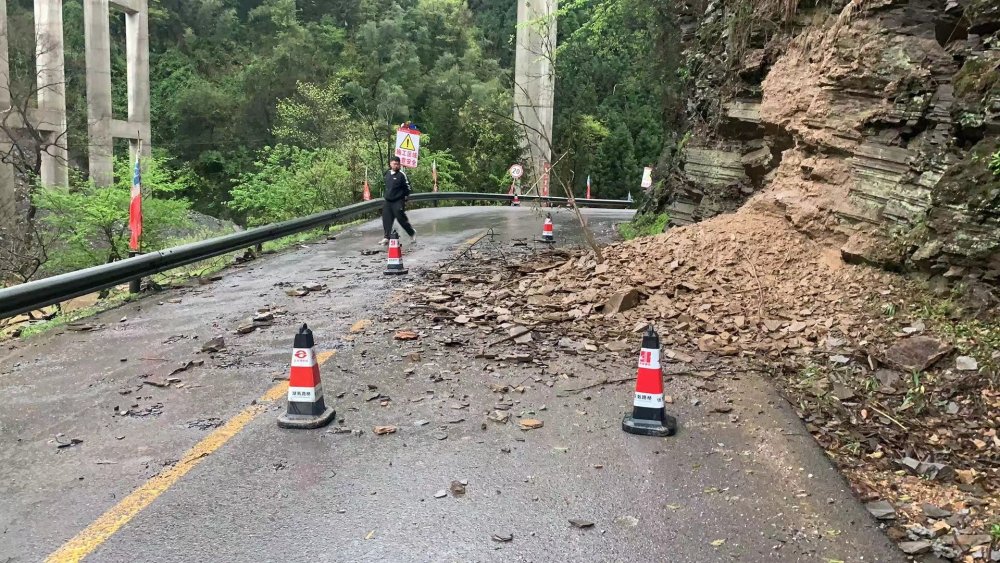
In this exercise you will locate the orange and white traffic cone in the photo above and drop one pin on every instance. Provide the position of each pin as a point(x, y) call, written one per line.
point(516, 202)
point(306, 407)
point(547, 232)
point(649, 416)
point(394, 262)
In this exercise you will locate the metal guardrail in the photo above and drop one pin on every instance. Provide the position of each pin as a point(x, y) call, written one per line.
point(41, 293)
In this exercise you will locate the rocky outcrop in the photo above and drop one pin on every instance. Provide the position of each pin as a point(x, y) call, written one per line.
point(870, 125)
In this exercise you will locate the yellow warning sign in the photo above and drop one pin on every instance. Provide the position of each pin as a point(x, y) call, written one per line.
point(407, 146)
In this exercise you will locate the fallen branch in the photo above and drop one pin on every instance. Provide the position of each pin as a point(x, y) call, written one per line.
point(898, 423)
point(599, 384)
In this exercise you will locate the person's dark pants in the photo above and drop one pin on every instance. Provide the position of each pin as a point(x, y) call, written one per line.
point(394, 211)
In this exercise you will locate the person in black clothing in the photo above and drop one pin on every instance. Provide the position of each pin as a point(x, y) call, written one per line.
point(397, 190)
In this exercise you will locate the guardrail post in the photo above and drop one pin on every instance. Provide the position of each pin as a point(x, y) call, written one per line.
point(134, 286)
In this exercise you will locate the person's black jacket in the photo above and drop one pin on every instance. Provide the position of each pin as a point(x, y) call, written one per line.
point(397, 186)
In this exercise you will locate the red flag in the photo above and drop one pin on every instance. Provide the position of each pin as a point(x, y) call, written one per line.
point(511, 192)
point(135, 207)
point(588, 187)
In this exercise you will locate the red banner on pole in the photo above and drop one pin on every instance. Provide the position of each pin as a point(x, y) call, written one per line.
point(135, 206)
point(367, 194)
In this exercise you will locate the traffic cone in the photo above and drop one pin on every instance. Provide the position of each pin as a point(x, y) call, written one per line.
point(516, 202)
point(649, 417)
point(547, 234)
point(306, 408)
point(394, 262)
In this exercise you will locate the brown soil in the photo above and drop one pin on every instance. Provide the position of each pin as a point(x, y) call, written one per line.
point(752, 288)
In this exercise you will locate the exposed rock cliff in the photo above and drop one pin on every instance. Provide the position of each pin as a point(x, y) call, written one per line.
point(868, 124)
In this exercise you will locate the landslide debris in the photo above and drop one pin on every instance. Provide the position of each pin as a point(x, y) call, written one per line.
point(882, 380)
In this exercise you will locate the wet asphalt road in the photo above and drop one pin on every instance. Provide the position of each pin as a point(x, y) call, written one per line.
point(761, 485)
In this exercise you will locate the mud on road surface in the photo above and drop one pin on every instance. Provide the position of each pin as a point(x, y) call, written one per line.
point(510, 453)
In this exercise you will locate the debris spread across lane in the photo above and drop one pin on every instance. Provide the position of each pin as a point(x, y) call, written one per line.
point(748, 291)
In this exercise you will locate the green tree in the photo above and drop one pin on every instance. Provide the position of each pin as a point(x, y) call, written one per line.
point(615, 168)
point(91, 223)
point(288, 182)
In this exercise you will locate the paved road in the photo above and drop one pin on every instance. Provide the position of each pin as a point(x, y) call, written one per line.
point(217, 480)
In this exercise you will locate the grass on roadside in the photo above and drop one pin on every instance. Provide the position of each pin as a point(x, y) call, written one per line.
point(116, 298)
point(644, 226)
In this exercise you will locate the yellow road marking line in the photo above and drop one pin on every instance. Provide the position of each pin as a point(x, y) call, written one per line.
point(474, 239)
point(465, 245)
point(98, 532)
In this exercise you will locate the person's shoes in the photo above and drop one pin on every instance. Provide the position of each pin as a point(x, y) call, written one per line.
point(384, 242)
point(413, 238)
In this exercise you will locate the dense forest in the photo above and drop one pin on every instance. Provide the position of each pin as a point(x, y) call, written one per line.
point(255, 102)
point(264, 110)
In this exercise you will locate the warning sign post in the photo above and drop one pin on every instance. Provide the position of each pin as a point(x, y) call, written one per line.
point(407, 146)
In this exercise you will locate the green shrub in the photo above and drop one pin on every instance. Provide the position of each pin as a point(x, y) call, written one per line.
point(289, 182)
point(995, 164)
point(91, 223)
point(644, 226)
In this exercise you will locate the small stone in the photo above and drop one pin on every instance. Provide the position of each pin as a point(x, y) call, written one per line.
point(457, 488)
point(214, 345)
point(881, 510)
point(915, 547)
point(576, 522)
point(264, 317)
point(530, 424)
point(935, 512)
point(406, 335)
point(499, 416)
point(621, 302)
point(843, 392)
point(502, 538)
point(917, 353)
point(965, 363)
point(441, 494)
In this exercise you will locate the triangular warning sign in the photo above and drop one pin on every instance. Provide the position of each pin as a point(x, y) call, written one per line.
point(407, 144)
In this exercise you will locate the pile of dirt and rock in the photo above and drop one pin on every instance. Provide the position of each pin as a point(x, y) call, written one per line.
point(905, 405)
point(879, 118)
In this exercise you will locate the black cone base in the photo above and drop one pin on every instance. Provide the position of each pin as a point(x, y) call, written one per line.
point(642, 427)
point(305, 421)
point(401, 272)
